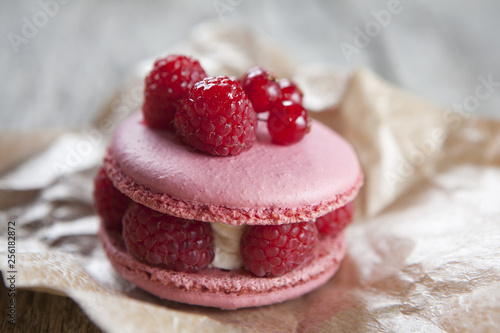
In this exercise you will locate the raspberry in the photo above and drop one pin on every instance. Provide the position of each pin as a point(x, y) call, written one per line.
point(109, 203)
point(288, 122)
point(290, 91)
point(216, 117)
point(168, 82)
point(334, 222)
point(167, 241)
point(262, 89)
point(274, 250)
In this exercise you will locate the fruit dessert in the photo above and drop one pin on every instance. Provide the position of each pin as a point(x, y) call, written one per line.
point(221, 192)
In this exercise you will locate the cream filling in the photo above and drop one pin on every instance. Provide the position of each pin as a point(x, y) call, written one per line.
point(227, 245)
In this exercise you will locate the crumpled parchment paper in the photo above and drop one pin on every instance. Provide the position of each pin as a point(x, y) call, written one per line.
point(423, 251)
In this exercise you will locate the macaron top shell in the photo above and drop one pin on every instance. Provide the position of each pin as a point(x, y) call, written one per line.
point(268, 184)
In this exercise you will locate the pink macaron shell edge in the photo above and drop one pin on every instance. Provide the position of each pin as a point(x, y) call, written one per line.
point(226, 290)
point(164, 203)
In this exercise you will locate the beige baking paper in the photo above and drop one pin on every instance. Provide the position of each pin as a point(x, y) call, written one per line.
point(423, 251)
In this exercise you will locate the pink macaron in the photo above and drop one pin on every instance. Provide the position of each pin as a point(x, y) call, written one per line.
point(267, 185)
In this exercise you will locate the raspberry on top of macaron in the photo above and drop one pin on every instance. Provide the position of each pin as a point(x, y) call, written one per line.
point(218, 115)
point(166, 84)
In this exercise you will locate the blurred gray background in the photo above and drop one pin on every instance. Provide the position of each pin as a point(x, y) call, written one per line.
point(61, 59)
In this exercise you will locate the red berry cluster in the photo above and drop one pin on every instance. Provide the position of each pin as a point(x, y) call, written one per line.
point(168, 82)
point(288, 120)
point(167, 241)
point(274, 250)
point(217, 115)
point(109, 203)
point(333, 223)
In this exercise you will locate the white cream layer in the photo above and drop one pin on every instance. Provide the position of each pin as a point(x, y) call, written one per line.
point(227, 245)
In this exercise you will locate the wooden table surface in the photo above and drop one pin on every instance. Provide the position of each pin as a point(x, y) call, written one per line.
point(66, 67)
point(42, 312)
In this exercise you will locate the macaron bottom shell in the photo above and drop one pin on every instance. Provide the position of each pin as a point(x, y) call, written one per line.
point(225, 289)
